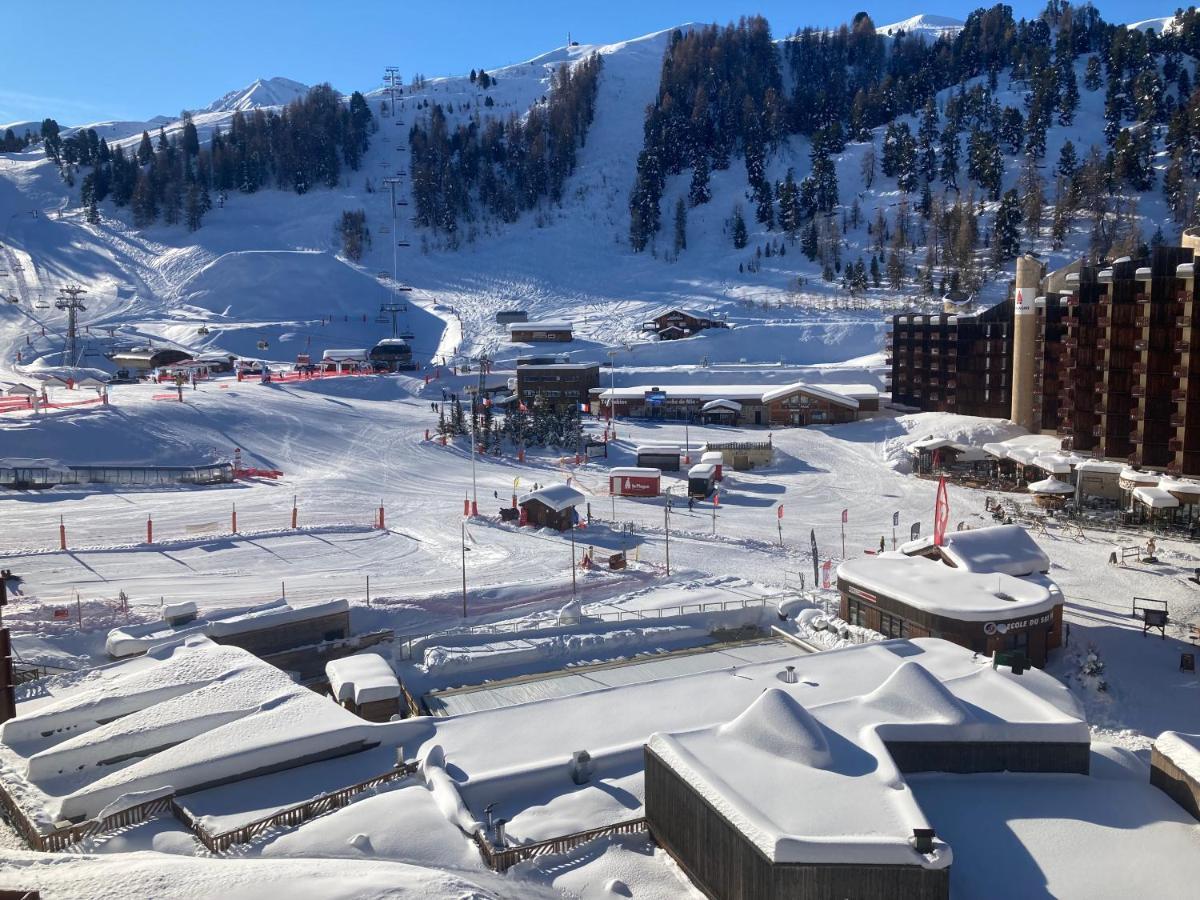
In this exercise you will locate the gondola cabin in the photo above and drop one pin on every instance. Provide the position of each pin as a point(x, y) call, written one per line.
point(631, 481)
point(392, 355)
point(701, 479)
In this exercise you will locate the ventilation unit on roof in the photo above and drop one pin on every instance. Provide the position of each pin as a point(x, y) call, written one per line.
point(789, 675)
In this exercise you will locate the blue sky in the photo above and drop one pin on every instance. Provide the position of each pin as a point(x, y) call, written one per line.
point(131, 59)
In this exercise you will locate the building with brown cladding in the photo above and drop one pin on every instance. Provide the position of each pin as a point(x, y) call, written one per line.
point(1101, 356)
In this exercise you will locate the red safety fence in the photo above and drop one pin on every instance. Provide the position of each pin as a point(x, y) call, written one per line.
point(24, 404)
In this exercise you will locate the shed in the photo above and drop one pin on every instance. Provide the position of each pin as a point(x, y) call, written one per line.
point(717, 459)
point(143, 359)
point(552, 507)
point(366, 685)
point(344, 359)
point(1098, 478)
point(701, 478)
point(720, 412)
point(665, 458)
point(630, 481)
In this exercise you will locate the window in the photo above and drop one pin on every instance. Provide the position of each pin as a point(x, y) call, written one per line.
point(855, 613)
point(892, 626)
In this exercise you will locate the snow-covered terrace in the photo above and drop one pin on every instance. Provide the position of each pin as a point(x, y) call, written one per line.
point(998, 548)
point(843, 394)
point(526, 771)
point(179, 718)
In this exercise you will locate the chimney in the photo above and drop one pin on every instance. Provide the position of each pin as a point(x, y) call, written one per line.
point(789, 675)
point(922, 840)
point(500, 823)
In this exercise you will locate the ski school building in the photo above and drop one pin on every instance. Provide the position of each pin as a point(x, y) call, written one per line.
point(788, 405)
point(985, 589)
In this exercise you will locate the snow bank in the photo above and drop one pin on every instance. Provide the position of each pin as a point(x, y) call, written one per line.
point(445, 791)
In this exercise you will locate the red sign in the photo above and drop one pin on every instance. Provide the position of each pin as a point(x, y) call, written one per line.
point(779, 511)
point(61, 613)
point(825, 567)
point(941, 513)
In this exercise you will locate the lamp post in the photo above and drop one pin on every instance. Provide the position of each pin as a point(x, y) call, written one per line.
point(667, 529)
point(465, 548)
point(612, 385)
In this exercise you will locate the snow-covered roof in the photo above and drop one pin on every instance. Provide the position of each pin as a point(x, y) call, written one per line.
point(1182, 749)
point(1133, 476)
point(1051, 485)
point(556, 496)
point(731, 405)
point(179, 717)
point(843, 395)
point(1178, 485)
point(633, 472)
point(541, 325)
point(810, 780)
point(1155, 497)
point(14, 389)
point(1185, 270)
point(712, 456)
point(130, 639)
point(1100, 465)
point(1056, 463)
point(365, 678)
point(657, 448)
point(942, 590)
point(1024, 448)
point(359, 355)
point(997, 548)
point(702, 470)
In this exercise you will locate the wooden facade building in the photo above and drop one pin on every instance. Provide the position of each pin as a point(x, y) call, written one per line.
point(560, 385)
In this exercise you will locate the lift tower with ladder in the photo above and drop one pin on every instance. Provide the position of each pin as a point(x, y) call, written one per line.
point(69, 300)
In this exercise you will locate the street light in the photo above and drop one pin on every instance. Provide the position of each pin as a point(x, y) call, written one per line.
point(667, 529)
point(465, 549)
point(612, 383)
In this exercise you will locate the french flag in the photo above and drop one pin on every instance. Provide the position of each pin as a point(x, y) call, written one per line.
point(583, 407)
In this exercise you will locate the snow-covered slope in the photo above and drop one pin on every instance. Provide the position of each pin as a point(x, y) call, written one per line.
point(262, 93)
point(924, 24)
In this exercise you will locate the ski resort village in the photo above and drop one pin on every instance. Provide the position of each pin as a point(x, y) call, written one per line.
point(749, 460)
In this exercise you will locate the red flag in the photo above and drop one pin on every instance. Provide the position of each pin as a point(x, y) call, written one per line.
point(845, 516)
point(779, 511)
point(717, 498)
point(941, 513)
point(522, 407)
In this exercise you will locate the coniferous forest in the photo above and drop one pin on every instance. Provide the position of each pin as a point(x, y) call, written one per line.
point(174, 178)
point(500, 167)
point(732, 95)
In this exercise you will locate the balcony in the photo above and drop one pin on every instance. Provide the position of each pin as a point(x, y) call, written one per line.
point(1073, 300)
point(1140, 346)
point(1138, 390)
point(1183, 321)
point(1103, 320)
point(1178, 395)
point(1070, 341)
point(951, 385)
point(1178, 421)
point(1139, 368)
point(1135, 437)
point(1097, 431)
point(1175, 445)
point(1183, 347)
point(1102, 344)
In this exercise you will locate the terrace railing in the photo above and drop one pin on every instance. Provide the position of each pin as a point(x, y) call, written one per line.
point(503, 859)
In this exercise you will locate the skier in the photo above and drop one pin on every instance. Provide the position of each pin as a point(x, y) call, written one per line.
point(691, 504)
point(881, 544)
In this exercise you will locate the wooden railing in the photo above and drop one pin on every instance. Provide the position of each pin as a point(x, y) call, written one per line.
point(285, 818)
point(504, 859)
point(61, 838)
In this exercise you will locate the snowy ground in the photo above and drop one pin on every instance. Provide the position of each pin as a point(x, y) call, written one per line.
point(264, 269)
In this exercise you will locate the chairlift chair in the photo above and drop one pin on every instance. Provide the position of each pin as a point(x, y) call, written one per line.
point(18, 267)
point(382, 320)
point(202, 330)
point(403, 288)
point(41, 304)
point(406, 335)
point(13, 298)
point(403, 244)
point(385, 229)
point(263, 345)
point(402, 202)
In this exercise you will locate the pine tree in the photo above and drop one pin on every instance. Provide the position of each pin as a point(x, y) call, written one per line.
point(680, 226)
point(764, 204)
point(1006, 231)
point(1091, 76)
point(145, 150)
point(1068, 97)
point(699, 190)
point(948, 167)
point(740, 237)
point(876, 276)
point(1067, 161)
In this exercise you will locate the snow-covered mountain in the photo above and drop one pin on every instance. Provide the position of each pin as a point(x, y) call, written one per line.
point(262, 93)
point(924, 24)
